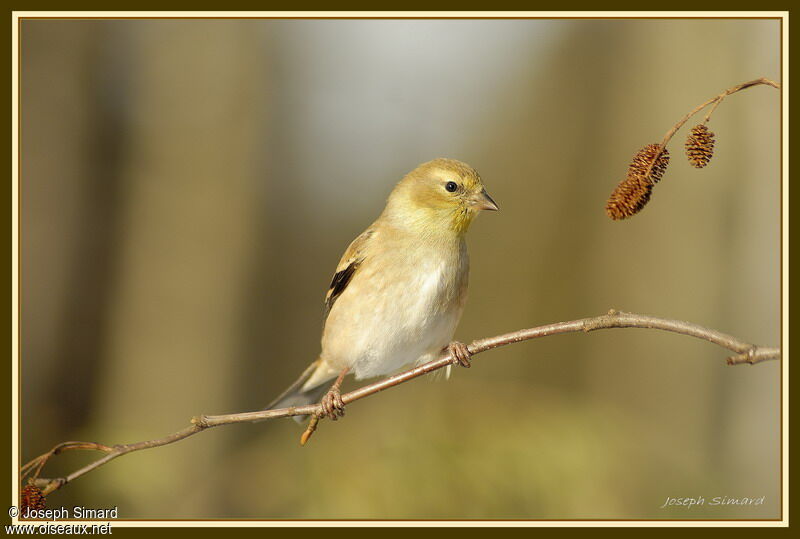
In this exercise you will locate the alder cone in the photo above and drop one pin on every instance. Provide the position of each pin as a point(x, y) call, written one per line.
point(31, 497)
point(629, 197)
point(699, 146)
point(633, 193)
point(641, 162)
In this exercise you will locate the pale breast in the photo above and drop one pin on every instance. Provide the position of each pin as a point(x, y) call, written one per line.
point(397, 311)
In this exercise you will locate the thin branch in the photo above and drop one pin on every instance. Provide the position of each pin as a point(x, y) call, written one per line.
point(716, 100)
point(744, 353)
point(631, 195)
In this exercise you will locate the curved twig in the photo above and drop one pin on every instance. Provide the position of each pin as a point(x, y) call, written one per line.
point(744, 353)
point(716, 100)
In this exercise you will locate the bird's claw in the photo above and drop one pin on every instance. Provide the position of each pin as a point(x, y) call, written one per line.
point(332, 404)
point(460, 353)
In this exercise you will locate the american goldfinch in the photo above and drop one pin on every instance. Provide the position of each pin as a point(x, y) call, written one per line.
point(399, 290)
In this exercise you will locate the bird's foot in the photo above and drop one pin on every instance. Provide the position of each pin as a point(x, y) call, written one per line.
point(332, 404)
point(460, 353)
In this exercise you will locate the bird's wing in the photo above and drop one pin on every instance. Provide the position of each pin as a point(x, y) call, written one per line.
point(348, 266)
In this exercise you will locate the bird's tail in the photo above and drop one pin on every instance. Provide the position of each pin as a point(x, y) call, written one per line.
point(307, 389)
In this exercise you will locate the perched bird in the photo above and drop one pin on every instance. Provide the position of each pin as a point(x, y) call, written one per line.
point(399, 290)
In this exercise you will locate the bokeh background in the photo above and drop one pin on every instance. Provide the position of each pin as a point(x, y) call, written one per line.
point(188, 186)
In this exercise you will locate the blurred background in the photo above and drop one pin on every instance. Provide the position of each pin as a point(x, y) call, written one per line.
point(188, 186)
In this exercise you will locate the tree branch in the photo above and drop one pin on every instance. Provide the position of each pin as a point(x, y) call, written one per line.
point(716, 100)
point(744, 353)
point(649, 164)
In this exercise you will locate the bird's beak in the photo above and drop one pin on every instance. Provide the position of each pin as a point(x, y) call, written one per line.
point(484, 202)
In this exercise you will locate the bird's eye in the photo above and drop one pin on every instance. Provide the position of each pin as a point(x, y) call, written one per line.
point(451, 187)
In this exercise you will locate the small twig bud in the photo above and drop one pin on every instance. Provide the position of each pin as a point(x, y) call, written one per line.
point(700, 146)
point(312, 426)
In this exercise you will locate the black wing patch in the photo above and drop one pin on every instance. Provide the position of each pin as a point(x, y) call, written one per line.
point(338, 284)
point(348, 265)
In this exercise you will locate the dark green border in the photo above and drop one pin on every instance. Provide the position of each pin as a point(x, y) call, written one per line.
point(5, 374)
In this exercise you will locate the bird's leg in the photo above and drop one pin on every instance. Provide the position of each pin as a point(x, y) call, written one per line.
point(460, 353)
point(332, 404)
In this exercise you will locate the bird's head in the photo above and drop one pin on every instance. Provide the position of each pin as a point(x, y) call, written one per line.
point(443, 193)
